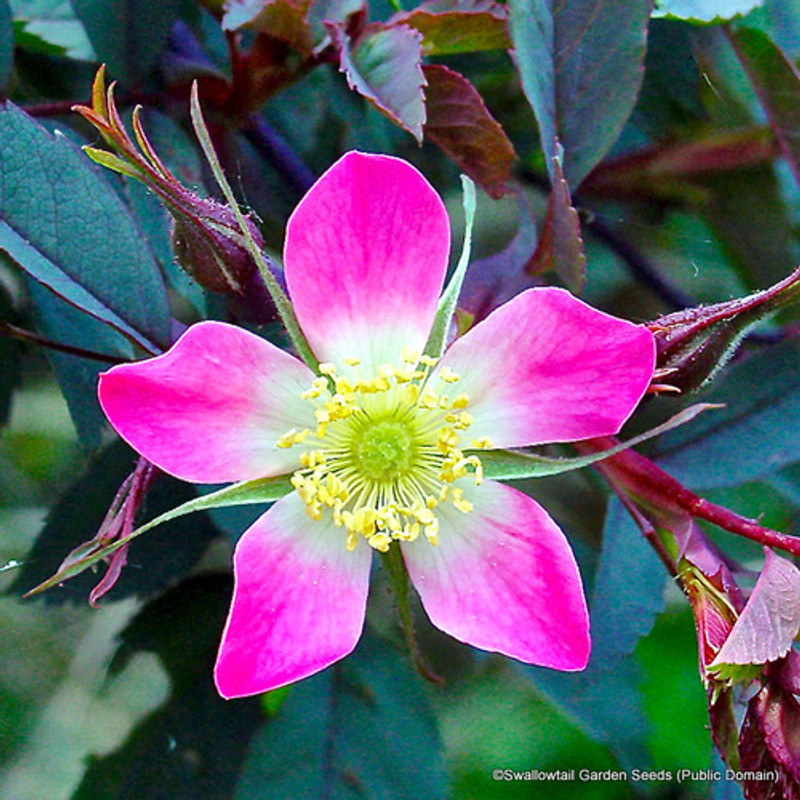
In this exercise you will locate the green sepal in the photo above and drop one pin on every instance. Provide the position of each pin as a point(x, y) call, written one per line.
point(449, 298)
point(112, 162)
point(510, 465)
point(727, 675)
point(260, 490)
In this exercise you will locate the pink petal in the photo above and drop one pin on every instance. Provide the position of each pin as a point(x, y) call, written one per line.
point(365, 257)
point(546, 367)
point(211, 408)
point(503, 578)
point(299, 600)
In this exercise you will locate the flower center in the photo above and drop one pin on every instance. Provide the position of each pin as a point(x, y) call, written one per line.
point(385, 451)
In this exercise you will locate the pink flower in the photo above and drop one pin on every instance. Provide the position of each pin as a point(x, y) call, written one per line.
point(384, 448)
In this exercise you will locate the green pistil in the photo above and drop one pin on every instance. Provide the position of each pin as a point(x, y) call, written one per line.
point(383, 451)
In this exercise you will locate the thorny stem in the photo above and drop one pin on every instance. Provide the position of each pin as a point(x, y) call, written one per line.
point(642, 480)
point(7, 329)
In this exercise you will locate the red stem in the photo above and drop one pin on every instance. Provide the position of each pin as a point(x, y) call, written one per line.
point(649, 485)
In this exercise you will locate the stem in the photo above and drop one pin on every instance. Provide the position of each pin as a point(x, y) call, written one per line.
point(282, 304)
point(398, 578)
point(279, 153)
point(7, 329)
point(647, 485)
point(59, 108)
point(638, 264)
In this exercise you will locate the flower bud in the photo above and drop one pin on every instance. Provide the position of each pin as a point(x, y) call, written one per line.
point(691, 345)
point(209, 244)
point(207, 239)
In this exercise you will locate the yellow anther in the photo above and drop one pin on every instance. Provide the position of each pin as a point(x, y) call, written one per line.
point(388, 451)
point(343, 386)
point(318, 386)
point(380, 541)
point(410, 394)
point(483, 443)
point(428, 399)
point(432, 532)
point(447, 440)
point(460, 401)
point(425, 516)
point(460, 503)
point(287, 439)
point(464, 421)
point(410, 355)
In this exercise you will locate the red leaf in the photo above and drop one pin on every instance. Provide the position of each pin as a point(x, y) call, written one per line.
point(459, 122)
point(561, 245)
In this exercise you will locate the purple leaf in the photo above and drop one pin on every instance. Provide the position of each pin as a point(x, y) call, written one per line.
point(769, 623)
point(384, 65)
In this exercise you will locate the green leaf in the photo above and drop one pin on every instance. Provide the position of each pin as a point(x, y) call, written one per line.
point(510, 465)
point(323, 11)
point(753, 435)
point(10, 352)
point(604, 700)
point(777, 83)
point(384, 66)
point(50, 26)
point(447, 302)
point(6, 43)
point(285, 20)
point(62, 323)
point(194, 745)
point(628, 590)
point(704, 10)
point(461, 125)
point(155, 563)
point(581, 67)
point(127, 35)
point(363, 728)
point(65, 226)
point(457, 26)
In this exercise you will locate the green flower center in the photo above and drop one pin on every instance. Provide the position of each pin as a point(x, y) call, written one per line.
point(386, 450)
point(383, 451)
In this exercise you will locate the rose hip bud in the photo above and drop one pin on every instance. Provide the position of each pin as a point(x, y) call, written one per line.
point(693, 344)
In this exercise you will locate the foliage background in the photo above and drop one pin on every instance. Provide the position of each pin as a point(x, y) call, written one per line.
point(684, 175)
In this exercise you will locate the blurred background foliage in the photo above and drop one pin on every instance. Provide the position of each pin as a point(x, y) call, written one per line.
point(669, 138)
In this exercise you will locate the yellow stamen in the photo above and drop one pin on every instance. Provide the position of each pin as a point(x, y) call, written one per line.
point(385, 452)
